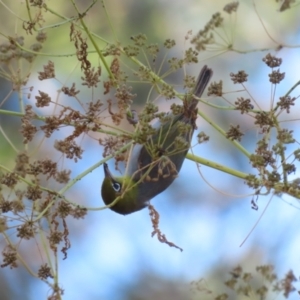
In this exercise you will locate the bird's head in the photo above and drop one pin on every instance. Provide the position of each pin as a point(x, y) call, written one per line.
point(123, 188)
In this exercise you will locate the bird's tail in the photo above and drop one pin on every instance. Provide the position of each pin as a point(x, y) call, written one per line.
point(201, 83)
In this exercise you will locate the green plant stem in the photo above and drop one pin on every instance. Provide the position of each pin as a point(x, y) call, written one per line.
point(216, 166)
point(282, 154)
point(8, 140)
point(29, 12)
point(109, 20)
point(45, 248)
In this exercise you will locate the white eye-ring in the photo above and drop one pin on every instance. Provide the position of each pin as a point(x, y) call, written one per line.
point(116, 186)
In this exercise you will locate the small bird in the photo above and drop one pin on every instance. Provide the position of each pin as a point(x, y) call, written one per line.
point(154, 165)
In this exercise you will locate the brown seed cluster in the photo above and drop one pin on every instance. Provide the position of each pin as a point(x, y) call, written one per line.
point(81, 47)
point(215, 89)
point(44, 272)
point(286, 102)
point(26, 231)
point(175, 63)
point(9, 257)
point(264, 120)
point(169, 43)
point(276, 77)
point(42, 100)
point(72, 92)
point(168, 92)
point(49, 71)
point(10, 52)
point(285, 4)
point(112, 145)
point(244, 105)
point(234, 133)
point(9, 179)
point(90, 79)
point(206, 36)
point(239, 77)
point(231, 7)
point(245, 283)
point(272, 61)
point(69, 148)
point(28, 130)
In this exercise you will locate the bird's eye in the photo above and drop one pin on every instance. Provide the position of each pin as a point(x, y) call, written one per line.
point(116, 186)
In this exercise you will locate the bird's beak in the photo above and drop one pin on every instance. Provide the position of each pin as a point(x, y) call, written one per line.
point(106, 171)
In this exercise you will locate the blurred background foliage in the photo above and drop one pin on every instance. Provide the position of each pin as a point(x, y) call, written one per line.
point(208, 215)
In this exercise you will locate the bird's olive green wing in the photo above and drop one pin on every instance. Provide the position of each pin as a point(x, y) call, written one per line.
point(162, 156)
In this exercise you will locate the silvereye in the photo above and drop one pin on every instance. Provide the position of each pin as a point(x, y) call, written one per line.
point(154, 165)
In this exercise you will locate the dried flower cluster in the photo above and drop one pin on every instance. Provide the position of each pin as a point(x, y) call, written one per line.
point(271, 174)
point(262, 283)
point(206, 36)
point(241, 282)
